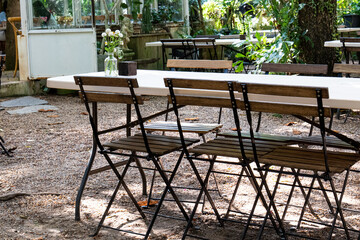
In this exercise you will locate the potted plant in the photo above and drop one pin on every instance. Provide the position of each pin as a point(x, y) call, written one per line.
point(352, 18)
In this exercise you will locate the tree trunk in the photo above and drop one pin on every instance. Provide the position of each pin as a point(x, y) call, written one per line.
point(13, 10)
point(318, 18)
point(201, 18)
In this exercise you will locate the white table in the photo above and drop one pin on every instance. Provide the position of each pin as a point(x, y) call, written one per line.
point(344, 92)
point(338, 44)
point(347, 30)
point(218, 42)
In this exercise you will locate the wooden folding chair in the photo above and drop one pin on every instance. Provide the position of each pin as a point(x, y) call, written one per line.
point(205, 43)
point(142, 146)
point(318, 165)
point(346, 69)
point(348, 50)
point(238, 148)
point(199, 128)
point(180, 48)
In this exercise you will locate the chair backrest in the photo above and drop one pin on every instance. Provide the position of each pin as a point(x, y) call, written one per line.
point(346, 68)
point(308, 69)
point(208, 36)
point(198, 95)
point(104, 91)
point(199, 64)
point(279, 91)
point(101, 94)
point(235, 36)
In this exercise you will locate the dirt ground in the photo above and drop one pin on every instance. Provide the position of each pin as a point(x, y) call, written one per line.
point(50, 151)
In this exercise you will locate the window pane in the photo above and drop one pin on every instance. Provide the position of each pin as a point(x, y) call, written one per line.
point(60, 14)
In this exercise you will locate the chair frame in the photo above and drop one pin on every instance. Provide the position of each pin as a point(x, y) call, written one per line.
point(231, 103)
point(319, 94)
point(132, 98)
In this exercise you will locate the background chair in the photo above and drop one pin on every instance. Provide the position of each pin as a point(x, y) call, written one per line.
point(348, 50)
point(346, 69)
point(180, 48)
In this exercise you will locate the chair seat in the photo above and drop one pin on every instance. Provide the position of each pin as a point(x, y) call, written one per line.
point(159, 144)
point(230, 147)
point(200, 128)
point(309, 159)
point(316, 140)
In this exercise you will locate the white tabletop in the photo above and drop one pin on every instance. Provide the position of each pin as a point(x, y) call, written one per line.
point(337, 44)
point(344, 92)
point(341, 30)
point(218, 42)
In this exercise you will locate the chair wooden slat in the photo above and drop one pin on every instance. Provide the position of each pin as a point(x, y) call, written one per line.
point(346, 68)
point(203, 101)
point(106, 81)
point(110, 97)
point(231, 148)
point(201, 64)
point(310, 159)
point(281, 90)
point(349, 39)
point(159, 145)
point(286, 109)
point(310, 69)
point(197, 84)
point(200, 128)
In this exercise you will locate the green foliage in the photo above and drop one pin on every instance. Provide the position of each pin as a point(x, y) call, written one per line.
point(146, 25)
point(278, 51)
point(135, 8)
point(163, 14)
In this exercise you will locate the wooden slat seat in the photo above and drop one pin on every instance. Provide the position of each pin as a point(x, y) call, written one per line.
point(309, 159)
point(199, 128)
point(289, 140)
point(159, 145)
point(230, 147)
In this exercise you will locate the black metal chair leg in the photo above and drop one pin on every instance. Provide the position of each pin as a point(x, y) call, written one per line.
point(338, 206)
point(305, 203)
point(83, 183)
point(157, 210)
point(234, 194)
point(121, 182)
point(274, 193)
point(3, 147)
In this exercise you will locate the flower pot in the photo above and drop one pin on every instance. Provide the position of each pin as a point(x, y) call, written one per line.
point(352, 20)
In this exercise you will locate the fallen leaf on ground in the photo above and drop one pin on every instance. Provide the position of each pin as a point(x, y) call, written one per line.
point(290, 123)
point(234, 129)
point(53, 116)
point(84, 113)
point(144, 203)
point(192, 119)
point(46, 110)
point(296, 132)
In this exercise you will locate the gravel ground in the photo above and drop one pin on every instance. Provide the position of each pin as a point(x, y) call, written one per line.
point(50, 153)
